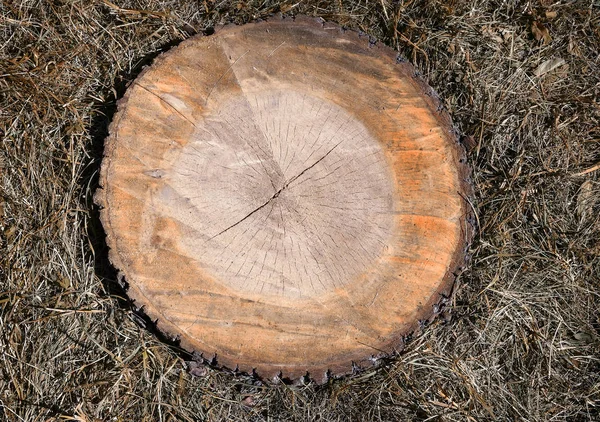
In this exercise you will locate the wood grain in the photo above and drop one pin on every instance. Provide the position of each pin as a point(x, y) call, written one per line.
point(285, 196)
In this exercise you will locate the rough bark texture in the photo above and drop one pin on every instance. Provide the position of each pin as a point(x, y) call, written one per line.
point(286, 196)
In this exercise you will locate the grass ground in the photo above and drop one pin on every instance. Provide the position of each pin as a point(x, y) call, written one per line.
point(521, 340)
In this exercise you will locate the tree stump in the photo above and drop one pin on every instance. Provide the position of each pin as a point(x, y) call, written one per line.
point(285, 197)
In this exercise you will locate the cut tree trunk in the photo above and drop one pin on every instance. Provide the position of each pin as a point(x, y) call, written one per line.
point(284, 196)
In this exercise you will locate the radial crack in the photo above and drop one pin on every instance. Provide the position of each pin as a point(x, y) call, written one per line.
point(167, 103)
point(276, 194)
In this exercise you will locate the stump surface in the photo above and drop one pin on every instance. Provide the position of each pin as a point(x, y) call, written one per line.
point(284, 195)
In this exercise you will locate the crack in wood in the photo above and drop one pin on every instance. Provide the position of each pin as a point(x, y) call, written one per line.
point(276, 194)
point(167, 103)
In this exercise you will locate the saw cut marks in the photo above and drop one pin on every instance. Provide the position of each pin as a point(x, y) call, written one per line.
point(284, 197)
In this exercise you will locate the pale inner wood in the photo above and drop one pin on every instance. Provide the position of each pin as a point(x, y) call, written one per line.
point(285, 194)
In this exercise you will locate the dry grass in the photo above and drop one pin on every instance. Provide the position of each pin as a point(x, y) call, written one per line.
point(522, 338)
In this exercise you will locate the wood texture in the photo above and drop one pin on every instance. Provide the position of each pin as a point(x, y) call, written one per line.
point(285, 196)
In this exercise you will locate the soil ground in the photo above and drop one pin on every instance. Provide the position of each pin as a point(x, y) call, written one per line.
point(520, 337)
